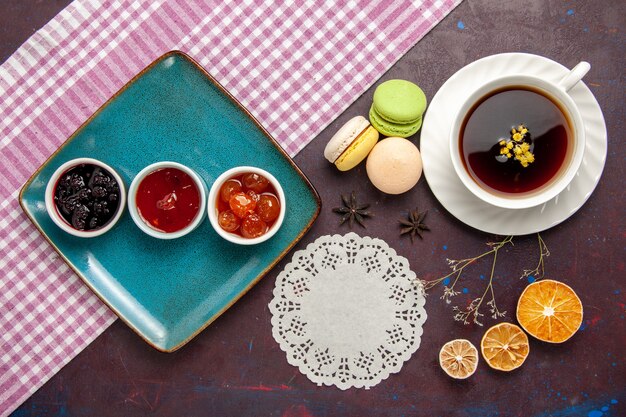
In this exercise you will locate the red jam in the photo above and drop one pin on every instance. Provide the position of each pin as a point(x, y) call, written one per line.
point(247, 205)
point(168, 200)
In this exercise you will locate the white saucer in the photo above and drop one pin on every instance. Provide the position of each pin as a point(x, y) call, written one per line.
point(449, 189)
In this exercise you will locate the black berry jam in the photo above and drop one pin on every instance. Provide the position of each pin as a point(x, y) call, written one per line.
point(87, 196)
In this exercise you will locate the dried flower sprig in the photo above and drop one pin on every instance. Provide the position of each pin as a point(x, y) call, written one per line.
point(472, 313)
point(518, 146)
point(539, 271)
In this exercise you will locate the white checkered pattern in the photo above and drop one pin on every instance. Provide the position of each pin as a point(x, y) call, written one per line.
point(294, 65)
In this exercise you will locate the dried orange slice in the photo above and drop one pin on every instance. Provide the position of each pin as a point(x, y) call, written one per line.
point(550, 311)
point(458, 358)
point(505, 347)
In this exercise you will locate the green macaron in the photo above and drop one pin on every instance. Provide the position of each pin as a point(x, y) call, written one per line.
point(397, 108)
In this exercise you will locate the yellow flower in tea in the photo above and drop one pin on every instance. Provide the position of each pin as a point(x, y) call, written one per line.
point(518, 145)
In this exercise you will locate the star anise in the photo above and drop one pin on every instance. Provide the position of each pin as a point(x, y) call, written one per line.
point(414, 225)
point(352, 211)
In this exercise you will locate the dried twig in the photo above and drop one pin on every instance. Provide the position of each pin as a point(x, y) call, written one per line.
point(471, 313)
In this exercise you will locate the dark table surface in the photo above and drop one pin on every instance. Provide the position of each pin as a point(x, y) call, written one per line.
point(235, 368)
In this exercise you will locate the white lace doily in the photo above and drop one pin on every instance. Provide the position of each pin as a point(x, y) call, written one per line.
point(348, 311)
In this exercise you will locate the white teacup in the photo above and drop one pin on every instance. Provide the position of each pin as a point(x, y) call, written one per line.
point(557, 91)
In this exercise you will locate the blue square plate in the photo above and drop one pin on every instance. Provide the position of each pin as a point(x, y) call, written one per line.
point(169, 290)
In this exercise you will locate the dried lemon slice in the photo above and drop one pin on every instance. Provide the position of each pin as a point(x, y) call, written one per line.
point(550, 311)
point(458, 358)
point(505, 347)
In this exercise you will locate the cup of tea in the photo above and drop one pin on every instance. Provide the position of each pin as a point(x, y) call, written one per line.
point(518, 140)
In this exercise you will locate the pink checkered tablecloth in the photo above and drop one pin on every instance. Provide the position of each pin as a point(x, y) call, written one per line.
point(295, 66)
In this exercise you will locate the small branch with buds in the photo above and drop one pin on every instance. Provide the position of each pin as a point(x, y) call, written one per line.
point(472, 313)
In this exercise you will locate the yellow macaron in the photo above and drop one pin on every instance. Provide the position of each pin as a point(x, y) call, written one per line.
point(351, 144)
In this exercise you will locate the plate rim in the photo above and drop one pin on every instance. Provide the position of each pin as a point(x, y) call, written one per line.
point(602, 135)
point(316, 198)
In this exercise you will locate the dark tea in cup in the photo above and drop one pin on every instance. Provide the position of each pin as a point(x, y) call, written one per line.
point(502, 160)
point(518, 140)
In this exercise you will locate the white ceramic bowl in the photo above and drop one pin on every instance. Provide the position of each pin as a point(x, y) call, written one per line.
point(132, 200)
point(214, 194)
point(56, 217)
point(558, 93)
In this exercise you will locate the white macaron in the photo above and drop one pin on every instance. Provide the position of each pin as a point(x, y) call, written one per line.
point(351, 144)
